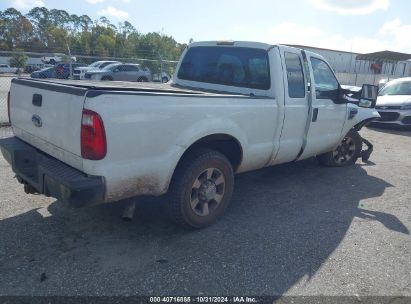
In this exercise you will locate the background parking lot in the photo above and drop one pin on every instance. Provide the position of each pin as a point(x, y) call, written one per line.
point(295, 229)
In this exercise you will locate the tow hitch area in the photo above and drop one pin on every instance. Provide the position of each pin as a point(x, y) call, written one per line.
point(365, 154)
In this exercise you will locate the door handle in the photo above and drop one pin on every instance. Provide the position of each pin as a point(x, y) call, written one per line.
point(37, 100)
point(315, 114)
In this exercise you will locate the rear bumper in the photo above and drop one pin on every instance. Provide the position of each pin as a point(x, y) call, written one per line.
point(50, 176)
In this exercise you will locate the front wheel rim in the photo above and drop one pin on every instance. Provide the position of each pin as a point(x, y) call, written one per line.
point(207, 192)
point(345, 151)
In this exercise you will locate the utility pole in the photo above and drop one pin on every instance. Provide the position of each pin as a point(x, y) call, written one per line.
point(70, 64)
point(161, 67)
point(349, 70)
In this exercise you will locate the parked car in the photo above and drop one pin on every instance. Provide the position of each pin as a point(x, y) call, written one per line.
point(5, 68)
point(63, 69)
point(394, 104)
point(121, 72)
point(56, 58)
point(79, 73)
point(231, 107)
point(49, 72)
point(30, 68)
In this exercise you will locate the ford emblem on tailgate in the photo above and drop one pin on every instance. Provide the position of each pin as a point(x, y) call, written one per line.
point(36, 120)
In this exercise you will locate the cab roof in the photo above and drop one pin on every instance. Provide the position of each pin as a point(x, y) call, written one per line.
point(251, 44)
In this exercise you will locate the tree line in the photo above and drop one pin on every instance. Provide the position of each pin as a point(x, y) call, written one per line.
point(56, 31)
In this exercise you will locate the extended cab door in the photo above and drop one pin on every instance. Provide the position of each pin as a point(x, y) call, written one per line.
point(296, 106)
point(327, 114)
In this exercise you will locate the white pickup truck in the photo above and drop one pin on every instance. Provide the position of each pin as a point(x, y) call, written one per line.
point(55, 58)
point(231, 107)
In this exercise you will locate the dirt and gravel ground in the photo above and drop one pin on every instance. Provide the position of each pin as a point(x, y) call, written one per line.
point(295, 229)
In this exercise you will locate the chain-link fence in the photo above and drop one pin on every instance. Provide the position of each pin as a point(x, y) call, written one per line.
point(5, 132)
point(133, 69)
point(5, 81)
point(63, 66)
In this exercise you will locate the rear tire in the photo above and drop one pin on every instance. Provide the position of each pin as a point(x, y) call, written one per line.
point(201, 189)
point(164, 80)
point(345, 154)
point(142, 79)
point(107, 78)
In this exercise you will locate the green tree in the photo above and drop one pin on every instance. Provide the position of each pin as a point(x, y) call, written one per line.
point(18, 60)
point(44, 30)
point(39, 17)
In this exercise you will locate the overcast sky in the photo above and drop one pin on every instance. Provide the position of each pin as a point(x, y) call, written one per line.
point(358, 25)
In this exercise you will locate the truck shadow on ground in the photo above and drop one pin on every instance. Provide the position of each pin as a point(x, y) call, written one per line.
point(283, 224)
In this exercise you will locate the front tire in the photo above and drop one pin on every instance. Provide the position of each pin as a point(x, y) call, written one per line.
point(345, 154)
point(201, 189)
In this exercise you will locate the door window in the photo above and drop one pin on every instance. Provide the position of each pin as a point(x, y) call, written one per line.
point(295, 75)
point(131, 68)
point(122, 68)
point(326, 85)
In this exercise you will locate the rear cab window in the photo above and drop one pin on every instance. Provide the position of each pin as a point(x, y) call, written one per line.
point(295, 75)
point(232, 66)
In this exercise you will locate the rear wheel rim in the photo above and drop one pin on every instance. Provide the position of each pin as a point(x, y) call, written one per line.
point(345, 151)
point(207, 192)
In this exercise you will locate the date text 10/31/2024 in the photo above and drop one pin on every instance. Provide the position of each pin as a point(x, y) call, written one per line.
point(203, 299)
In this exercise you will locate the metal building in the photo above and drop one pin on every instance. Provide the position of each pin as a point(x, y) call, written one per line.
point(385, 62)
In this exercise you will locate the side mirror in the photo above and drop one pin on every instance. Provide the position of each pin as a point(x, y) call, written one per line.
point(369, 94)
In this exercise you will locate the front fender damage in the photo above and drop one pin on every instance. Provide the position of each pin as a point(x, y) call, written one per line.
point(358, 118)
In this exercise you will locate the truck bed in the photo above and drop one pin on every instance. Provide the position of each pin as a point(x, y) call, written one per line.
point(143, 87)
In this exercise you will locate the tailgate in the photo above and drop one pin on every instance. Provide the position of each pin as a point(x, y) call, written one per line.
point(47, 115)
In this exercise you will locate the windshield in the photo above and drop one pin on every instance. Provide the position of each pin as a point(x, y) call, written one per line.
point(239, 66)
point(396, 88)
point(95, 64)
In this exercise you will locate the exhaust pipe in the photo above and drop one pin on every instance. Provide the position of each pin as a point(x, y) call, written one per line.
point(129, 210)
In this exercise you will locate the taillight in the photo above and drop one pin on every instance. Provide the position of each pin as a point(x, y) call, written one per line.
point(8, 106)
point(93, 136)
